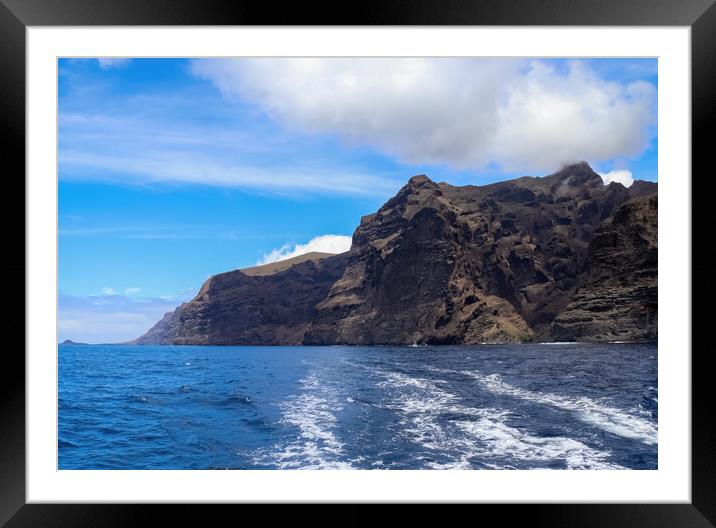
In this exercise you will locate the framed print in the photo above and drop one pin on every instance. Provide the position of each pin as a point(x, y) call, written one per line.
point(412, 256)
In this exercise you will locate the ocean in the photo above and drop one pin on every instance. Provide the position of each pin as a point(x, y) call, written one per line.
point(526, 406)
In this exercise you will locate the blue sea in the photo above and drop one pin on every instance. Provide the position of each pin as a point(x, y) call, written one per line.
point(527, 406)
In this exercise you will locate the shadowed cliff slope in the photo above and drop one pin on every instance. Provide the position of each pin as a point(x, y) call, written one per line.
point(617, 298)
point(259, 308)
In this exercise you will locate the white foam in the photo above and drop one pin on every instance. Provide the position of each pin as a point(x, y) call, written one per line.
point(610, 419)
point(316, 446)
point(504, 440)
point(482, 435)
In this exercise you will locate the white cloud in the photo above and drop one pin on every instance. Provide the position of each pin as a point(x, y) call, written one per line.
point(107, 291)
point(620, 176)
point(466, 113)
point(107, 63)
point(130, 291)
point(323, 244)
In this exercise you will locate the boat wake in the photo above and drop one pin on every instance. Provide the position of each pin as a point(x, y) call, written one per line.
point(460, 437)
point(615, 421)
point(316, 446)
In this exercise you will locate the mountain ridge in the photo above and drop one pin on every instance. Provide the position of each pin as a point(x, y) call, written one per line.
point(442, 264)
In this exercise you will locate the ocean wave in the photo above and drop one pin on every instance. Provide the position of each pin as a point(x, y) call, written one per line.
point(615, 421)
point(477, 436)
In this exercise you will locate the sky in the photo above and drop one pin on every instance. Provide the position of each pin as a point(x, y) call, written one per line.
point(171, 170)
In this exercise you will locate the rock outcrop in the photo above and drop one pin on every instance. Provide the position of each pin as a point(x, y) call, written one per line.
point(562, 257)
point(617, 298)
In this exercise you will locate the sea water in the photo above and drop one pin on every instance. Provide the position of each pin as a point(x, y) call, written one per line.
point(527, 406)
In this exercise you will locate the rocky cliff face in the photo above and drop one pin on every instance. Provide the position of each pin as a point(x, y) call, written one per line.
point(259, 307)
point(442, 264)
point(560, 257)
point(617, 297)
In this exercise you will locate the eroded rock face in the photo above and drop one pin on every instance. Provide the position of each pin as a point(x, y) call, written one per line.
point(236, 308)
point(444, 264)
point(618, 298)
point(562, 257)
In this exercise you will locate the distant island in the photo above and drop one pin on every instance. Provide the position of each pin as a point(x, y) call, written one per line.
point(557, 258)
point(70, 342)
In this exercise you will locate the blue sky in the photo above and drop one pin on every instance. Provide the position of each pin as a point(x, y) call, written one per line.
point(171, 170)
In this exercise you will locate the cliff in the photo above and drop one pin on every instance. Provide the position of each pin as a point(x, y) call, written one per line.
point(439, 264)
point(562, 257)
point(617, 298)
point(273, 305)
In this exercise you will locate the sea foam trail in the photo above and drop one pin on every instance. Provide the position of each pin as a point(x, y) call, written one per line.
point(316, 447)
point(479, 436)
point(615, 421)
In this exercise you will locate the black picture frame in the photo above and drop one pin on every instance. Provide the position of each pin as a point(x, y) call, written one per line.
point(16, 15)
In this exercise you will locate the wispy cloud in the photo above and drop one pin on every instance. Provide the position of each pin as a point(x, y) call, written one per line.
point(173, 167)
point(323, 244)
point(107, 63)
point(127, 145)
point(123, 231)
point(190, 232)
